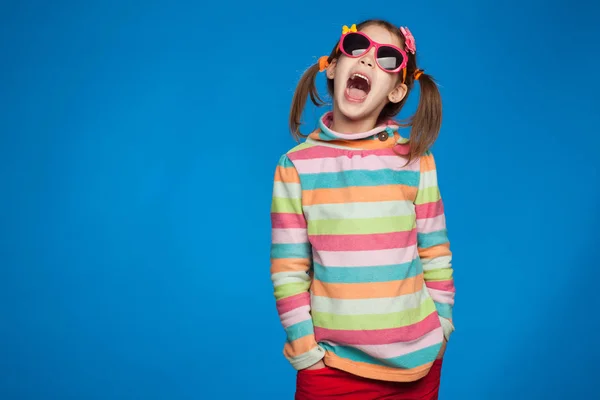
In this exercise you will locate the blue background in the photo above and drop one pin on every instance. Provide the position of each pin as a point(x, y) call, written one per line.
point(138, 146)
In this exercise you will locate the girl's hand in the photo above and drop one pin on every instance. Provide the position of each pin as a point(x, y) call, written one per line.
point(318, 365)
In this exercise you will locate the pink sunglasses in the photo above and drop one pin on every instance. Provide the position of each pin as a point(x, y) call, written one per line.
point(388, 57)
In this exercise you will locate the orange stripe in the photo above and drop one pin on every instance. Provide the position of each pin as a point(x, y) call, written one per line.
point(299, 346)
point(286, 174)
point(289, 264)
point(377, 372)
point(436, 251)
point(367, 290)
point(359, 194)
point(427, 163)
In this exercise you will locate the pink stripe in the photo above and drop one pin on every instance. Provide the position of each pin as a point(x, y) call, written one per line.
point(429, 210)
point(377, 241)
point(293, 302)
point(295, 235)
point(442, 296)
point(404, 149)
point(293, 317)
point(331, 152)
point(428, 225)
point(447, 286)
point(383, 351)
point(366, 258)
point(355, 162)
point(287, 220)
point(380, 336)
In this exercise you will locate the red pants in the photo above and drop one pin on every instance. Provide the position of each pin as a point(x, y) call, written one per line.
point(330, 383)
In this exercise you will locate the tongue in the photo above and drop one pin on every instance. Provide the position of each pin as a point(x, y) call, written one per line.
point(357, 93)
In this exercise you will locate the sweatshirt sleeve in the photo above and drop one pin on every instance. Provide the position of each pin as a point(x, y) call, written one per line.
point(291, 260)
point(433, 243)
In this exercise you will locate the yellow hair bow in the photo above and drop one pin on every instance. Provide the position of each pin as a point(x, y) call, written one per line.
point(345, 29)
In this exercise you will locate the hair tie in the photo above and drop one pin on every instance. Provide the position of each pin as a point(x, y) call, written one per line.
point(418, 73)
point(323, 63)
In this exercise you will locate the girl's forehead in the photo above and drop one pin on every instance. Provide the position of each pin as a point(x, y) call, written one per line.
point(381, 35)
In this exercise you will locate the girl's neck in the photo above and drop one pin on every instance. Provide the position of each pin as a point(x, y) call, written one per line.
point(340, 123)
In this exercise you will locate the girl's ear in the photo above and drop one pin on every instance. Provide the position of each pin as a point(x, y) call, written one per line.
point(396, 95)
point(331, 69)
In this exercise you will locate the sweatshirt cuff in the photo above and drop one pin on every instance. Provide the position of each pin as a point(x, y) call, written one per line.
point(447, 326)
point(307, 359)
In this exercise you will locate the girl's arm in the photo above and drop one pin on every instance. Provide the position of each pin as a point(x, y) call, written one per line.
point(433, 244)
point(291, 259)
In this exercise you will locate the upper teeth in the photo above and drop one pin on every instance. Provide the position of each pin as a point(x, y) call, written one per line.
point(361, 76)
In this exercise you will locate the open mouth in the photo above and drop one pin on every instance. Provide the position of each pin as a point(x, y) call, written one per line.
point(358, 87)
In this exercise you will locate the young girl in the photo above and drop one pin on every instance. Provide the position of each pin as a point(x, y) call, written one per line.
point(360, 259)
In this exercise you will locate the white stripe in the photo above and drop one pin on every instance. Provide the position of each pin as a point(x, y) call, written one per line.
point(366, 258)
point(434, 224)
point(287, 190)
point(386, 305)
point(430, 264)
point(355, 162)
point(282, 278)
point(289, 235)
point(359, 210)
point(428, 179)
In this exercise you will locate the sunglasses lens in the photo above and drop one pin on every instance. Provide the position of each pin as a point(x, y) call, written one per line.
point(389, 58)
point(354, 44)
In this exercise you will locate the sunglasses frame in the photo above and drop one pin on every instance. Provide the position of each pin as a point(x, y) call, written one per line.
point(377, 46)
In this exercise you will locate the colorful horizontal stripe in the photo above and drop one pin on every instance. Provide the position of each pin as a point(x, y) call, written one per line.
point(354, 194)
point(407, 361)
point(359, 210)
point(366, 306)
point(373, 320)
point(381, 257)
point(360, 259)
point(361, 226)
point(384, 273)
point(381, 336)
point(374, 241)
point(355, 162)
point(336, 180)
point(398, 349)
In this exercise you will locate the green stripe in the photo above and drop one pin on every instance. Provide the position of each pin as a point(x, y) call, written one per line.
point(374, 321)
point(291, 289)
point(283, 205)
point(361, 226)
point(299, 147)
point(442, 274)
point(429, 195)
point(360, 210)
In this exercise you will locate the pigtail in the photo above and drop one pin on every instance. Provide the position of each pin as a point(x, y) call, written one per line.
point(306, 87)
point(427, 120)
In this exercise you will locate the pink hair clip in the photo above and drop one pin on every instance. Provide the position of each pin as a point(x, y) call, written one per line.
point(409, 40)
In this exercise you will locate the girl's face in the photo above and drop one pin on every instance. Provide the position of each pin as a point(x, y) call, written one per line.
point(361, 88)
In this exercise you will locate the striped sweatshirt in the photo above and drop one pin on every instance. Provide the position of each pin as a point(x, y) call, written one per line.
point(360, 258)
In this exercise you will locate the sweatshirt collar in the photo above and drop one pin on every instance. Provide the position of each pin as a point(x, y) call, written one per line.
point(383, 136)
